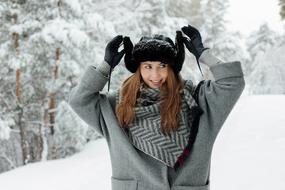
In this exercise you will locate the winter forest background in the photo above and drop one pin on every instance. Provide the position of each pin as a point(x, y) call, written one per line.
point(46, 45)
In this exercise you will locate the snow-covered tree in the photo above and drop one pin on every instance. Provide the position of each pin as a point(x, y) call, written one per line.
point(192, 11)
point(226, 45)
point(258, 43)
point(71, 133)
point(209, 17)
point(261, 40)
point(44, 46)
point(268, 77)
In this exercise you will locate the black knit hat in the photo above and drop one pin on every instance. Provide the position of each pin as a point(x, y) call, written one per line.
point(157, 48)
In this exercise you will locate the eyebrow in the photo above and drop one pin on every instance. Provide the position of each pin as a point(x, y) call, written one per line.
point(154, 65)
point(145, 63)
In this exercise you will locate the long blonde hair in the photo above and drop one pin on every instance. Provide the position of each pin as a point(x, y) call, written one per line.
point(169, 108)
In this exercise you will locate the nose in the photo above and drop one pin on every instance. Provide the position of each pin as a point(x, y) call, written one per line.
point(155, 74)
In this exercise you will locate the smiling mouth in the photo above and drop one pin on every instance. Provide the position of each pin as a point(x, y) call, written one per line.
point(156, 83)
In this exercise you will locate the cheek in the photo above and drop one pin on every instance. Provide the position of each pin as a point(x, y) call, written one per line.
point(164, 75)
point(144, 74)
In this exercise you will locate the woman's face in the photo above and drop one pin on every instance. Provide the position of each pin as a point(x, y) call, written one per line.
point(154, 73)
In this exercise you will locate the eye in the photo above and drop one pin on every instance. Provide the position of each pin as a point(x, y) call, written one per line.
point(147, 66)
point(162, 65)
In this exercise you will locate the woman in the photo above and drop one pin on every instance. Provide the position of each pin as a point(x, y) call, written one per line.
point(159, 128)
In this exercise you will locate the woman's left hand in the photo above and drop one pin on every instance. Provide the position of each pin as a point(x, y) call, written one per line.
point(194, 44)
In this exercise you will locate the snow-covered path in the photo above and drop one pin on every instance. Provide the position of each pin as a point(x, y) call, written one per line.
point(249, 152)
point(86, 170)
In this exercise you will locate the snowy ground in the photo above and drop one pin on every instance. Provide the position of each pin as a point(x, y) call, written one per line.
point(249, 154)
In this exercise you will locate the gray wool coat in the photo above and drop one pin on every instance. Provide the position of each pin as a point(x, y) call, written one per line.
point(135, 170)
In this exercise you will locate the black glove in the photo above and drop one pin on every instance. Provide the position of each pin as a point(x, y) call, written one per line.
point(112, 56)
point(194, 45)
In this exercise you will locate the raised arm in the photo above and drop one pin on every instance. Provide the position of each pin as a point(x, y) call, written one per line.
point(85, 97)
point(218, 97)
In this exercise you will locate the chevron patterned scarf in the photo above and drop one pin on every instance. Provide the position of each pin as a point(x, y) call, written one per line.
point(145, 131)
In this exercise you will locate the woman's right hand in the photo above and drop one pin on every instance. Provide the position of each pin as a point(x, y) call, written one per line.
point(112, 56)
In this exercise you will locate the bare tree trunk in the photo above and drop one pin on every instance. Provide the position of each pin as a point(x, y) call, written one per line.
point(23, 135)
point(19, 120)
point(18, 84)
point(43, 135)
point(52, 107)
point(52, 111)
point(39, 143)
point(52, 95)
point(19, 108)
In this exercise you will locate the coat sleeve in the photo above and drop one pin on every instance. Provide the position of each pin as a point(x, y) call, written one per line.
point(217, 98)
point(85, 97)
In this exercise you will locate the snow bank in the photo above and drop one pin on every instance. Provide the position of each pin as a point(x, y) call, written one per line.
point(249, 154)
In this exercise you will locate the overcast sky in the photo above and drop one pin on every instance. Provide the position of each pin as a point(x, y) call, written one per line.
point(246, 15)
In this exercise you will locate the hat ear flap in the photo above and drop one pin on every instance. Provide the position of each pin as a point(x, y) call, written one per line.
point(180, 57)
point(130, 64)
